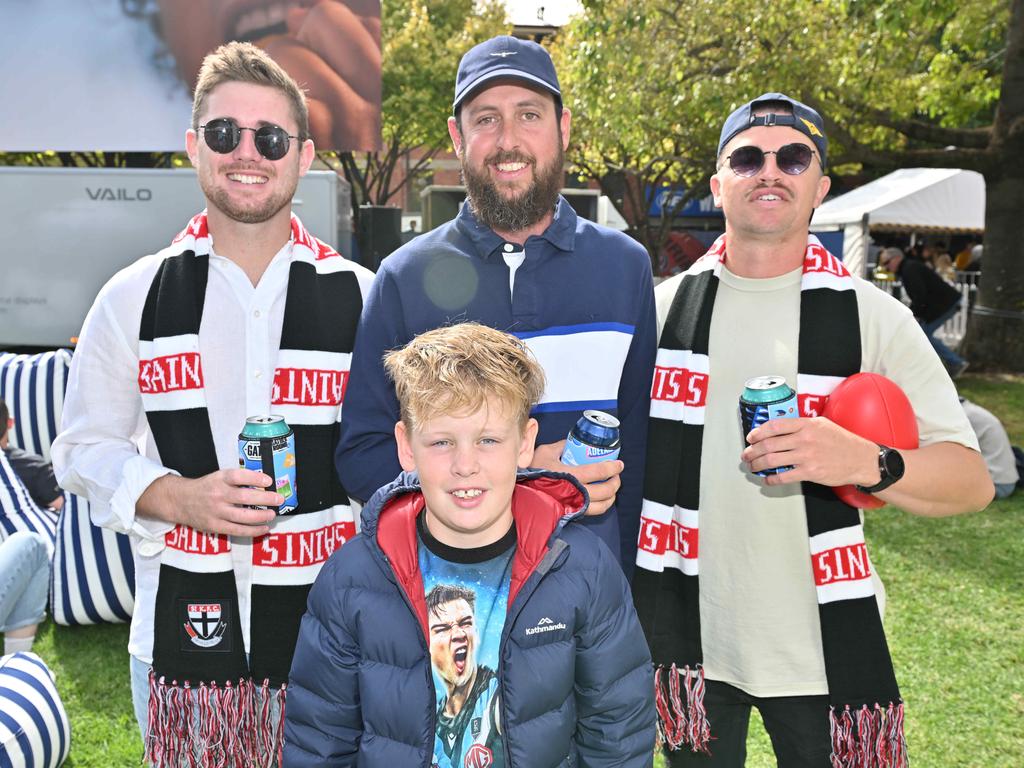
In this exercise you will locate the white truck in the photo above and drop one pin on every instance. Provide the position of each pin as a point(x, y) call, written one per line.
point(68, 230)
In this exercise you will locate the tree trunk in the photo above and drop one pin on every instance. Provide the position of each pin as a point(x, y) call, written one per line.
point(995, 337)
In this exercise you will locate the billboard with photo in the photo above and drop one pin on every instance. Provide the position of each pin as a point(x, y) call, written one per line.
point(116, 75)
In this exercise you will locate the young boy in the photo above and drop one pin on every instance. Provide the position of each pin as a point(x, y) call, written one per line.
point(474, 621)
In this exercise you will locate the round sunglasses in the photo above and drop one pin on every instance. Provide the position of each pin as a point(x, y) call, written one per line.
point(223, 134)
point(792, 159)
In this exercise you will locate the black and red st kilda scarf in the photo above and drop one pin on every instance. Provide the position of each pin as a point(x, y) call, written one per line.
point(207, 702)
point(866, 712)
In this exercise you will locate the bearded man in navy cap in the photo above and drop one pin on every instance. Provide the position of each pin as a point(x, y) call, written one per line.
point(758, 591)
point(518, 258)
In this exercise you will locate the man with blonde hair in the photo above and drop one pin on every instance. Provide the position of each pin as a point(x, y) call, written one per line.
point(474, 573)
point(244, 314)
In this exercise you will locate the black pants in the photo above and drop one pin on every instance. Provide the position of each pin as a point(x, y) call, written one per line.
point(798, 727)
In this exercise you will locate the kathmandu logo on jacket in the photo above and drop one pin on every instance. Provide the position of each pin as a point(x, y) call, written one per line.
point(545, 625)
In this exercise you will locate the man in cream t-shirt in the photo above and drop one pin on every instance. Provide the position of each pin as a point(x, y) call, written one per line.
point(759, 591)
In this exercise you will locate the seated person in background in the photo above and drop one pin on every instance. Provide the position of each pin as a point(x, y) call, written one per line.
point(24, 580)
point(479, 577)
point(995, 447)
point(33, 470)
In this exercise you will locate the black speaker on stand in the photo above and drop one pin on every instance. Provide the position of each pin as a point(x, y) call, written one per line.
point(380, 233)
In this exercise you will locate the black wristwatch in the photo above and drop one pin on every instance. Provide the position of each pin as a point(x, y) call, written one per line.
point(890, 469)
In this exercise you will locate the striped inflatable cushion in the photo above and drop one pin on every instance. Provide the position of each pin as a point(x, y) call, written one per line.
point(93, 572)
point(93, 577)
point(34, 729)
point(17, 510)
point(33, 387)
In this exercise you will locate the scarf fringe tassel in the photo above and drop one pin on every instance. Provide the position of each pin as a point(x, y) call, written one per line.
point(681, 724)
point(213, 726)
point(868, 738)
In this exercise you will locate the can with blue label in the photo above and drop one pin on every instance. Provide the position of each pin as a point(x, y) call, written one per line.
point(595, 437)
point(267, 445)
point(765, 398)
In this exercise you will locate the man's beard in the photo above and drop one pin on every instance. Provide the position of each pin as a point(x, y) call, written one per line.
point(248, 213)
point(514, 214)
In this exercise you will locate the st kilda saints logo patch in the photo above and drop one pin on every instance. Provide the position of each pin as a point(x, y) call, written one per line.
point(205, 625)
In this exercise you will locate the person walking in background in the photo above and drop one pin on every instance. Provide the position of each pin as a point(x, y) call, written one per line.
point(932, 300)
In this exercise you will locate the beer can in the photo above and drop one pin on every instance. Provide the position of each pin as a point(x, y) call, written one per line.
point(765, 398)
point(595, 437)
point(267, 445)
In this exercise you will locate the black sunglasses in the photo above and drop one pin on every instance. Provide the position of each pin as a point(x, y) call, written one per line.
point(223, 134)
point(792, 159)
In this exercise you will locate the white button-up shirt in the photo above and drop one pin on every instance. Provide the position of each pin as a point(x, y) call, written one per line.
point(105, 450)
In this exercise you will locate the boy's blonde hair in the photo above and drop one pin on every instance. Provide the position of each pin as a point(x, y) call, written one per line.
point(455, 369)
point(246, 63)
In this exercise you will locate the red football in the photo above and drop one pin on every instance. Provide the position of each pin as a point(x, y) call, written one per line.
point(873, 407)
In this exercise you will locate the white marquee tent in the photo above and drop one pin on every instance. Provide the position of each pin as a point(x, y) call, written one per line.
point(923, 200)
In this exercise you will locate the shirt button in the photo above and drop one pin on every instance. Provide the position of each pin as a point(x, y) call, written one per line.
point(256, 313)
point(150, 547)
point(509, 247)
point(257, 373)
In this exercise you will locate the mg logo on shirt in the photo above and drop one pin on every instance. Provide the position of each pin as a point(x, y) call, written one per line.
point(479, 756)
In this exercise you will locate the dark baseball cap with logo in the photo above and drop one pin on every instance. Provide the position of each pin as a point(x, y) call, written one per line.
point(803, 119)
point(505, 57)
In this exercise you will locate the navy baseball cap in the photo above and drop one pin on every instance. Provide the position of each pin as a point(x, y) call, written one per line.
point(803, 119)
point(508, 57)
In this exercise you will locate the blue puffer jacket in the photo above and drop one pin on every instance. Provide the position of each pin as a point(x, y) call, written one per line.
point(361, 691)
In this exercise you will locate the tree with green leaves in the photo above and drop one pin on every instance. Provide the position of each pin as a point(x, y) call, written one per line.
point(422, 44)
point(633, 129)
point(959, 103)
point(650, 83)
point(900, 83)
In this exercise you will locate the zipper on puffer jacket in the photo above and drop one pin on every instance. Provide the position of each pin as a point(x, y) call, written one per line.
point(559, 550)
point(389, 571)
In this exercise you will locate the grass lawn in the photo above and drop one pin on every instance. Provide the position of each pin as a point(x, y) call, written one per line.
point(955, 623)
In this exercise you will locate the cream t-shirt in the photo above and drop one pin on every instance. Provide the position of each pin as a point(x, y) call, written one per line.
point(758, 609)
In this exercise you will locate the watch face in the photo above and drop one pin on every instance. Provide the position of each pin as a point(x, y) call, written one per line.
point(893, 464)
